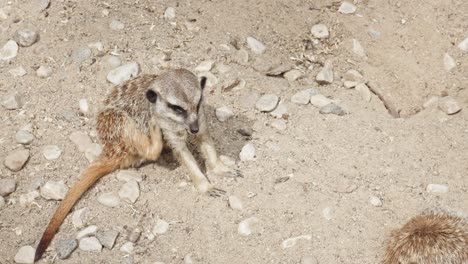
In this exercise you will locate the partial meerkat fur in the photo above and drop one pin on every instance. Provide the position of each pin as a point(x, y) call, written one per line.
point(131, 126)
point(432, 237)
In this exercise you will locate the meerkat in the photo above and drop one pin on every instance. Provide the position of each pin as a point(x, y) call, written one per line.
point(138, 118)
point(429, 238)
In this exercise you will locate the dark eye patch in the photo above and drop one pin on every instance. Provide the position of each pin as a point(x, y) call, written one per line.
point(151, 96)
point(179, 110)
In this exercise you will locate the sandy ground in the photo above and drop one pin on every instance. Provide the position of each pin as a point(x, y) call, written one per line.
point(332, 163)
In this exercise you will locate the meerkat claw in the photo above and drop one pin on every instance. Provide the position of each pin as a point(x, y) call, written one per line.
point(216, 193)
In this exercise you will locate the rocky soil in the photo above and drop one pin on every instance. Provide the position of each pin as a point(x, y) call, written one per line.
point(345, 118)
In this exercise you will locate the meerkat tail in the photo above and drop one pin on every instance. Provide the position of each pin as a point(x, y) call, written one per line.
point(93, 173)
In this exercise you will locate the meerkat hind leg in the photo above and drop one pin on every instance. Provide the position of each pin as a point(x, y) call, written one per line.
point(148, 148)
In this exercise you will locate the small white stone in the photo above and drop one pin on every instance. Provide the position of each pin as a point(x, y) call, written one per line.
point(433, 101)
point(129, 175)
point(16, 159)
point(123, 73)
point(24, 137)
point(188, 259)
point(245, 226)
point(375, 201)
point(267, 102)
point(81, 54)
point(205, 66)
point(81, 140)
point(26, 37)
point(88, 231)
point(235, 203)
point(320, 31)
point(247, 153)
point(224, 113)
point(54, 190)
point(93, 152)
point(44, 71)
point(79, 217)
point(325, 75)
point(449, 62)
point(169, 13)
point(353, 76)
point(7, 186)
point(292, 75)
point(347, 8)
point(358, 49)
point(279, 124)
point(449, 105)
point(96, 46)
point(84, 107)
point(319, 100)
point(463, 45)
point(437, 188)
point(350, 84)
point(256, 46)
point(303, 97)
point(291, 242)
point(110, 62)
point(28, 198)
point(9, 50)
point(130, 191)
point(42, 4)
point(160, 227)
point(18, 71)
point(90, 244)
point(109, 200)
point(327, 212)
point(25, 255)
point(364, 91)
point(280, 111)
point(11, 101)
point(51, 152)
point(116, 25)
point(127, 247)
point(107, 238)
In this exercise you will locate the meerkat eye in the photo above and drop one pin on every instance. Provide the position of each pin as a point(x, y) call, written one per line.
point(179, 110)
point(151, 96)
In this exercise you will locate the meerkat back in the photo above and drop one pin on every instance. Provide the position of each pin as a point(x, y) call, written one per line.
point(429, 238)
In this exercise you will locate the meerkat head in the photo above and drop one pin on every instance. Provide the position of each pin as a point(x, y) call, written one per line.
point(177, 96)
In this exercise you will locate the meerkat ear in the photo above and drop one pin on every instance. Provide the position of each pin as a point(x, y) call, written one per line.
point(203, 82)
point(151, 96)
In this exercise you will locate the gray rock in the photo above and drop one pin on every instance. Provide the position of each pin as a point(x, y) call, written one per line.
point(11, 101)
point(449, 62)
point(44, 71)
point(205, 66)
point(9, 50)
point(245, 226)
point(127, 247)
point(90, 244)
point(88, 231)
point(54, 190)
point(364, 91)
point(262, 65)
point(169, 13)
point(18, 71)
point(309, 260)
point(25, 255)
point(160, 227)
point(358, 49)
point(51, 152)
point(235, 203)
point(16, 159)
point(81, 140)
point(116, 25)
point(292, 75)
point(134, 235)
point(303, 97)
point(130, 191)
point(247, 153)
point(65, 247)
point(81, 54)
point(320, 31)
point(325, 75)
point(328, 213)
point(353, 76)
point(109, 200)
point(224, 113)
point(280, 69)
point(123, 73)
point(28, 198)
point(449, 105)
point(93, 152)
point(7, 186)
point(437, 188)
point(375, 201)
point(280, 111)
point(332, 109)
point(26, 37)
point(79, 217)
point(107, 238)
point(24, 137)
point(319, 100)
point(267, 103)
point(347, 8)
point(256, 46)
point(129, 175)
point(463, 45)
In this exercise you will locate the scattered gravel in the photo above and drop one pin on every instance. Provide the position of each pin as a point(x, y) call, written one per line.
point(25, 255)
point(364, 91)
point(84, 106)
point(130, 191)
point(245, 226)
point(433, 101)
point(358, 49)
point(88, 231)
point(291, 242)
point(90, 244)
point(65, 248)
point(353, 76)
point(109, 200)
point(267, 103)
point(205, 66)
point(309, 260)
point(123, 73)
point(325, 75)
point(303, 97)
point(127, 247)
point(463, 45)
point(51, 152)
point(350, 84)
point(281, 111)
point(54, 190)
point(107, 238)
point(240, 57)
point(347, 8)
point(44, 71)
point(11, 101)
point(24, 137)
point(224, 113)
point(28, 198)
point(79, 217)
point(375, 201)
point(256, 46)
point(319, 100)
point(116, 25)
point(169, 13)
point(437, 188)
point(279, 124)
point(26, 37)
point(320, 31)
point(81, 140)
point(9, 50)
point(160, 227)
point(235, 203)
point(79, 55)
point(449, 105)
point(328, 212)
point(134, 235)
point(18, 71)
point(449, 62)
point(292, 75)
point(7, 186)
point(17, 159)
point(247, 153)
point(332, 109)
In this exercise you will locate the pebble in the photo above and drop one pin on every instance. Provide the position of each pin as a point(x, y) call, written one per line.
point(437, 188)
point(246, 225)
point(279, 124)
point(353, 76)
point(291, 242)
point(281, 111)
point(332, 109)
point(320, 31)
point(81, 140)
point(292, 75)
point(431, 102)
point(205, 66)
point(9, 50)
point(188, 259)
point(24, 137)
point(90, 244)
point(134, 235)
point(279, 69)
point(358, 49)
point(25, 255)
point(96, 46)
point(130, 191)
point(107, 238)
point(247, 153)
point(256, 46)
point(325, 75)
point(309, 260)
point(16, 159)
point(303, 97)
point(93, 152)
point(262, 65)
point(129, 175)
point(224, 113)
point(127, 247)
point(7, 186)
point(54, 190)
point(375, 201)
point(44, 71)
point(79, 216)
point(65, 247)
point(347, 8)
point(235, 203)
point(111, 62)
point(26, 37)
point(28, 198)
point(51, 152)
point(42, 4)
point(241, 57)
point(123, 73)
point(449, 62)
point(160, 227)
point(84, 106)
point(169, 13)
point(327, 212)
point(81, 54)
point(319, 100)
point(2, 202)
point(109, 200)
point(245, 131)
point(463, 45)
point(267, 103)
point(449, 105)
point(116, 25)
point(350, 84)
point(18, 71)
point(88, 231)
point(11, 101)
point(364, 91)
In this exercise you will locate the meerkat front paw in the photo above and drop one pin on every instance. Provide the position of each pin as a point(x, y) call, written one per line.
point(209, 189)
